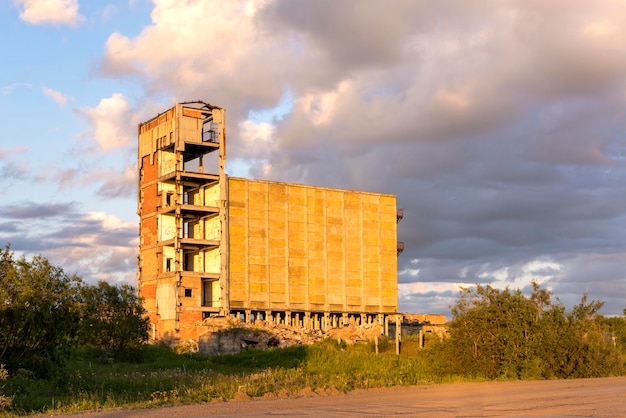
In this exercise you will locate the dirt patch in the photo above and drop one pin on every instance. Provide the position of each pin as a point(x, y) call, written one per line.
point(577, 397)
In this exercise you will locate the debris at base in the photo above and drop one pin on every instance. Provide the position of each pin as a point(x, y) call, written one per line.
point(227, 335)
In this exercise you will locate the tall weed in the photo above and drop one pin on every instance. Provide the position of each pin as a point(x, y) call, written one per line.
point(164, 377)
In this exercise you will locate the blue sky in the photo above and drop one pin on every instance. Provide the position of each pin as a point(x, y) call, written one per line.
point(500, 126)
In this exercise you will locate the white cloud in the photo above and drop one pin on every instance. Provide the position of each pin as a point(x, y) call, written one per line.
point(320, 107)
point(203, 49)
point(57, 12)
point(8, 89)
point(109, 222)
point(256, 136)
point(57, 96)
point(113, 122)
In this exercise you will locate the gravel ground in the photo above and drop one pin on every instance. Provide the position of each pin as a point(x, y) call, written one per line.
point(604, 397)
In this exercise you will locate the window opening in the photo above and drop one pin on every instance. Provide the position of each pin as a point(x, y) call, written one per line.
point(189, 261)
point(209, 298)
point(210, 131)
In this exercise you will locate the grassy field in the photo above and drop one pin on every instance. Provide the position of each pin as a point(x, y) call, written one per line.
point(163, 377)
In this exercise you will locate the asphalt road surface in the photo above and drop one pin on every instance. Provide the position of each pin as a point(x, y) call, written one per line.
point(604, 397)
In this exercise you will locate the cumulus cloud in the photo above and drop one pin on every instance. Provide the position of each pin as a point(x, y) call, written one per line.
point(113, 123)
point(499, 126)
point(56, 12)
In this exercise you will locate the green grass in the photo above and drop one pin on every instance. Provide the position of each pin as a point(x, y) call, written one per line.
point(164, 377)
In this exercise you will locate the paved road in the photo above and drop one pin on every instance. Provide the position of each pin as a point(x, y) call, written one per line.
point(562, 398)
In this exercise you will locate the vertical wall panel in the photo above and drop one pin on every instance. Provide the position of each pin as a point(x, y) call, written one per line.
point(297, 247)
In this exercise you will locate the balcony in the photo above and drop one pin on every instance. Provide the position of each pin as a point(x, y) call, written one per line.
point(189, 178)
point(400, 247)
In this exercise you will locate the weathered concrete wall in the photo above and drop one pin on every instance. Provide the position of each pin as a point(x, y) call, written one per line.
point(303, 248)
point(428, 319)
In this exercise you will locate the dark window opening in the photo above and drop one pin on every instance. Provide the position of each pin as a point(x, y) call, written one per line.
point(189, 261)
point(187, 293)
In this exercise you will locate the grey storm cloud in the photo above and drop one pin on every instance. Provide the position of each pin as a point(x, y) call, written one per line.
point(500, 126)
point(33, 210)
point(85, 244)
point(118, 187)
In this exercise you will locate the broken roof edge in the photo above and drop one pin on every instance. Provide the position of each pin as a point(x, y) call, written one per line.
point(203, 103)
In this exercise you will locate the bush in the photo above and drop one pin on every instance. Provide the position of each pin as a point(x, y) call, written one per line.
point(113, 321)
point(45, 313)
point(38, 316)
point(5, 401)
point(504, 334)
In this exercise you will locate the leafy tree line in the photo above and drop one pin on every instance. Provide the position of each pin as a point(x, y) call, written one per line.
point(45, 313)
point(503, 334)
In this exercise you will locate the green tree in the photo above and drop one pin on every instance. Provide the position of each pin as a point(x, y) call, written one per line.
point(113, 320)
point(38, 312)
point(491, 332)
point(44, 313)
point(504, 334)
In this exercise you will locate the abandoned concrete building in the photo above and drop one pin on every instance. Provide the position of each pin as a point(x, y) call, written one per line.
point(213, 245)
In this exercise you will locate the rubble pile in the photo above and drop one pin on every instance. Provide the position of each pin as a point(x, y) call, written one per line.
point(226, 335)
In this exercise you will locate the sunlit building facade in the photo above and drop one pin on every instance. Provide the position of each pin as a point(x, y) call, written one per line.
point(213, 245)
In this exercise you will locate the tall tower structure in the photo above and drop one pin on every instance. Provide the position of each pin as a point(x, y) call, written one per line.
point(182, 258)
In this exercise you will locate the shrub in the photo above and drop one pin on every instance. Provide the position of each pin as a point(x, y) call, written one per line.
point(5, 401)
point(504, 334)
point(113, 320)
point(38, 316)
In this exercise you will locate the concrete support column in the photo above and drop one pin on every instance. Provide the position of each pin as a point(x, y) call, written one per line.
point(398, 333)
